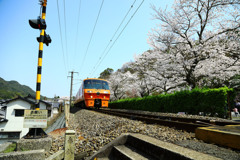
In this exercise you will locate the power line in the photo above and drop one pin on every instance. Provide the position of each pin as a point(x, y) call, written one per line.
point(113, 37)
point(65, 24)
point(119, 35)
point(61, 37)
point(92, 34)
point(79, 9)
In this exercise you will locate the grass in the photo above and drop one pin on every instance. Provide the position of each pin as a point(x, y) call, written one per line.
point(10, 148)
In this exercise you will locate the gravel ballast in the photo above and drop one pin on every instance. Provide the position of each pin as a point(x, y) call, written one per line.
point(94, 130)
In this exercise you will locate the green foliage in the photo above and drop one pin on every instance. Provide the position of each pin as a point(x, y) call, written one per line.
point(209, 101)
point(12, 89)
point(106, 73)
point(10, 148)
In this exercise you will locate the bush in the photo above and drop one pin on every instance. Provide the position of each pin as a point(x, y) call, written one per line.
point(209, 101)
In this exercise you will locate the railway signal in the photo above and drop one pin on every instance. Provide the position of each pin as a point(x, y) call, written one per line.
point(46, 39)
point(38, 23)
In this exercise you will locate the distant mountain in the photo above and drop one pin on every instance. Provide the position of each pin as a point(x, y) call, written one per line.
point(12, 89)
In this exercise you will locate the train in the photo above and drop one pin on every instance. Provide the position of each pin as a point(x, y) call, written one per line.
point(93, 93)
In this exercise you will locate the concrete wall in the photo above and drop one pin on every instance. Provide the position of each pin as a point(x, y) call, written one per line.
point(31, 155)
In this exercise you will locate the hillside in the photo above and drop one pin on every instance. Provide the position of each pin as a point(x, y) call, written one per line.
point(11, 89)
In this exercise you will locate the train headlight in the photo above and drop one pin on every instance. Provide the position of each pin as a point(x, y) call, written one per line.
point(91, 96)
point(89, 91)
point(105, 92)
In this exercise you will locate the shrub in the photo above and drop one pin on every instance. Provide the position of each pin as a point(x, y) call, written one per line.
point(209, 101)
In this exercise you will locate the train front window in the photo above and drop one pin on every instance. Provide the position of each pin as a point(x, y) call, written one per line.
point(105, 85)
point(87, 84)
point(95, 84)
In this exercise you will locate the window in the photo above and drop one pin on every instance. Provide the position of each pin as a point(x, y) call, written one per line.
point(87, 84)
point(105, 85)
point(95, 84)
point(19, 112)
point(9, 135)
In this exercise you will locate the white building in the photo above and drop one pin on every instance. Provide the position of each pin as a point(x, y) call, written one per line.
point(55, 107)
point(11, 127)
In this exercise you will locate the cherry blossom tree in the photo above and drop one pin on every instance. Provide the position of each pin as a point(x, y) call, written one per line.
point(202, 36)
point(159, 72)
point(196, 44)
point(119, 84)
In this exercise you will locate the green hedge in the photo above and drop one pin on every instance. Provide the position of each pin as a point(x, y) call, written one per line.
point(208, 101)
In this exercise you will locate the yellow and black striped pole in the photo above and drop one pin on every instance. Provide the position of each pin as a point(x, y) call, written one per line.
point(44, 38)
point(40, 55)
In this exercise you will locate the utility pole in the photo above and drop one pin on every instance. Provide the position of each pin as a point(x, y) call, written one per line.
point(71, 86)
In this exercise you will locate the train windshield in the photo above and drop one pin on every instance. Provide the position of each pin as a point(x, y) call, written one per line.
point(95, 84)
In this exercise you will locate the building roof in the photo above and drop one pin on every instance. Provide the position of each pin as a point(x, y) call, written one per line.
point(3, 120)
point(32, 98)
point(19, 97)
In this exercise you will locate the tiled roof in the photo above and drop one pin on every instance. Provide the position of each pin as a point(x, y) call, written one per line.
point(32, 98)
point(19, 97)
point(3, 120)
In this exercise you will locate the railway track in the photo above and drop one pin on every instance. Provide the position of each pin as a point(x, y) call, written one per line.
point(187, 124)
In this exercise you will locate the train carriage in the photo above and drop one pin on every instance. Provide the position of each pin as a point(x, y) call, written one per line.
point(93, 93)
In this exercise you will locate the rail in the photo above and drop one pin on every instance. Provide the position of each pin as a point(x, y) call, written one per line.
point(187, 124)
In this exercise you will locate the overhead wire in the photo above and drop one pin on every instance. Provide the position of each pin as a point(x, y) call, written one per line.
point(119, 35)
point(61, 37)
point(76, 40)
point(65, 25)
point(113, 37)
point(92, 34)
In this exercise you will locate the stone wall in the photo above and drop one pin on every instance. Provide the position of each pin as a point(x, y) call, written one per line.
point(34, 144)
point(34, 154)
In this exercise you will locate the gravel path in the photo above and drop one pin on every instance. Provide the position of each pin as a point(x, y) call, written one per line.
point(94, 130)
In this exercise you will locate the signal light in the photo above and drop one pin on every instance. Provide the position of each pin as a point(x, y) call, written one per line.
point(38, 23)
point(46, 39)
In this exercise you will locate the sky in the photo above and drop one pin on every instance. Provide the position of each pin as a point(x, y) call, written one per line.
point(78, 44)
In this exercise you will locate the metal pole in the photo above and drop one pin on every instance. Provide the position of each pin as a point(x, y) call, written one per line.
point(36, 24)
point(40, 55)
point(39, 69)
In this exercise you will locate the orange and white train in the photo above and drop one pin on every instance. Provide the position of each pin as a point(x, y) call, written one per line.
point(93, 93)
